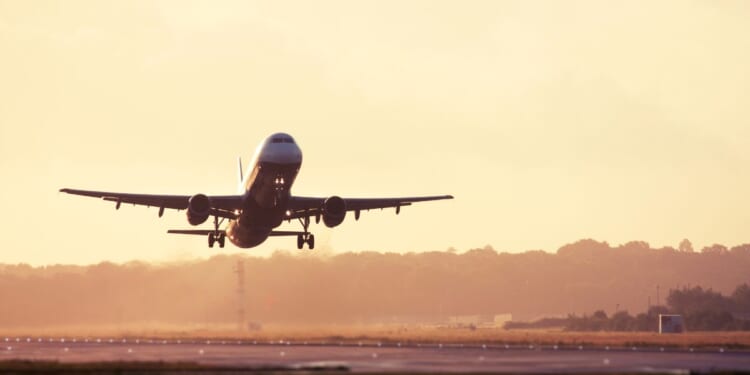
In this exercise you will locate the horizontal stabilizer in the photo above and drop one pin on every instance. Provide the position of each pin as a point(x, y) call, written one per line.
point(199, 232)
point(205, 232)
point(278, 233)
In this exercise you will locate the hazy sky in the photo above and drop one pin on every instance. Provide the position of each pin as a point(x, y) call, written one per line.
point(549, 121)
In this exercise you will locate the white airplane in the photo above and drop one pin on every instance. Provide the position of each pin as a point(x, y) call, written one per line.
point(264, 202)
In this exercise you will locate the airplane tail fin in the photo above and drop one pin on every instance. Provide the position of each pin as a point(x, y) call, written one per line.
point(242, 178)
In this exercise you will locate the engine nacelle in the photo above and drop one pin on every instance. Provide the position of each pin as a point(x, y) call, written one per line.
point(199, 207)
point(334, 211)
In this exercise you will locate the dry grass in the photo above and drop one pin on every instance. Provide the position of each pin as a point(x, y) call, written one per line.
point(405, 334)
point(499, 336)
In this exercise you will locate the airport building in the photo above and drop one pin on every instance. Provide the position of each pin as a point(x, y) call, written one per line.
point(480, 321)
point(670, 323)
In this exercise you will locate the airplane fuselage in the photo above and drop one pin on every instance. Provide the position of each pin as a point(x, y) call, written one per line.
point(266, 191)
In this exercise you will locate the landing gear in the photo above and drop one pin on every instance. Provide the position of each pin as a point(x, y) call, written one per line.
point(306, 237)
point(216, 235)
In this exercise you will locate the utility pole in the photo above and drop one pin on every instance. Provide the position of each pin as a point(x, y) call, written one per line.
point(657, 295)
point(240, 271)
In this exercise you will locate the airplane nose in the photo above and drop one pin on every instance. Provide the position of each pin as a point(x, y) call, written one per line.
point(283, 153)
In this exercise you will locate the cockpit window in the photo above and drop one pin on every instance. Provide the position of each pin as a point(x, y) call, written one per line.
point(288, 140)
point(277, 140)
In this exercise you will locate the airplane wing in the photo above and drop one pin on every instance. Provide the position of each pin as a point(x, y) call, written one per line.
point(300, 207)
point(221, 205)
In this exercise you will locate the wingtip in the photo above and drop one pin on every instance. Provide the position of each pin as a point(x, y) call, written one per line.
point(63, 190)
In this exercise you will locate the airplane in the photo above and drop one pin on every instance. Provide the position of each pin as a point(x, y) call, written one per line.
point(263, 203)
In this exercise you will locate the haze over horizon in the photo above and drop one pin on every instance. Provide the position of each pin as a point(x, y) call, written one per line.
point(367, 287)
point(549, 122)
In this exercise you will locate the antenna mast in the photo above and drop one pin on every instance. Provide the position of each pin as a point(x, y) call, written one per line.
point(240, 271)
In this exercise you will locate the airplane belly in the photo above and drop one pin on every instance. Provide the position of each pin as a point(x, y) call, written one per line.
point(245, 236)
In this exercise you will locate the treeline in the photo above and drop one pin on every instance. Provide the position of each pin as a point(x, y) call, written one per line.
point(368, 287)
point(701, 309)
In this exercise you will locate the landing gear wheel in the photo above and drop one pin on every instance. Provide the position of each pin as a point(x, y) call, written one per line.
point(311, 242)
point(211, 240)
point(221, 240)
point(300, 242)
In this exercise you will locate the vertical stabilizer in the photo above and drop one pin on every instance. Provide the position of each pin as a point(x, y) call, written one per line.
point(242, 178)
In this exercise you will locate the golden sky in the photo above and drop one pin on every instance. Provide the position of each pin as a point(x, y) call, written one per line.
point(549, 121)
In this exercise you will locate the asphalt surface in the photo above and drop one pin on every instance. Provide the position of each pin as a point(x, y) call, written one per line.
point(390, 357)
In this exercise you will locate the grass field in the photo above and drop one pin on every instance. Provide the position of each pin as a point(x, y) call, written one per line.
point(410, 334)
point(736, 340)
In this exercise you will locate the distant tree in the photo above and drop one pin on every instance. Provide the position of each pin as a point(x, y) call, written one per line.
point(668, 249)
point(599, 314)
point(654, 311)
point(743, 249)
point(621, 321)
point(708, 320)
point(686, 246)
point(645, 322)
point(697, 299)
point(635, 245)
point(586, 246)
point(741, 298)
point(715, 249)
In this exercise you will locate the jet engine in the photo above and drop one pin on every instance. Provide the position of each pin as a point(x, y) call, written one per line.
point(334, 211)
point(199, 207)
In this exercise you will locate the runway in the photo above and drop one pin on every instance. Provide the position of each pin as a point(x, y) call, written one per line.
point(380, 357)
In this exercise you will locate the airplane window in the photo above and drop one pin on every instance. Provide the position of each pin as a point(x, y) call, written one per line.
point(277, 140)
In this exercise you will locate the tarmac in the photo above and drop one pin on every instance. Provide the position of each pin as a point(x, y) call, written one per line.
point(379, 357)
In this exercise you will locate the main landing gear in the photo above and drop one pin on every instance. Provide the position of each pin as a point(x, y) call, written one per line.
point(306, 237)
point(216, 235)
